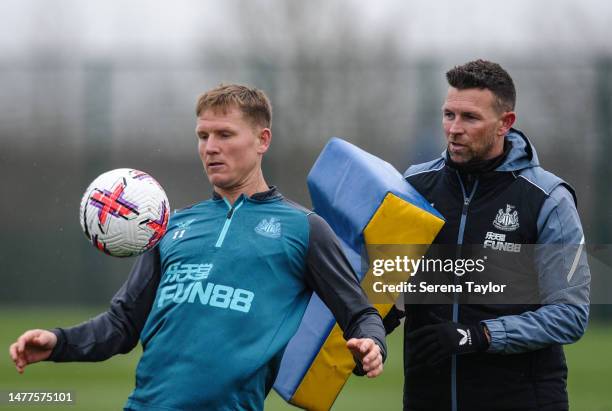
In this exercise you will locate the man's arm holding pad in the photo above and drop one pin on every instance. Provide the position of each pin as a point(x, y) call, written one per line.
point(331, 276)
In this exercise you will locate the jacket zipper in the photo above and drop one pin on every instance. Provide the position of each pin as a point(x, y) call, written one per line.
point(228, 220)
point(466, 203)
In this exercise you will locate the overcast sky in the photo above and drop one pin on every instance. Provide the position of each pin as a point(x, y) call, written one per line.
point(432, 27)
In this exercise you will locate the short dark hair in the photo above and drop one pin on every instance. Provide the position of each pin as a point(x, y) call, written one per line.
point(485, 74)
point(253, 103)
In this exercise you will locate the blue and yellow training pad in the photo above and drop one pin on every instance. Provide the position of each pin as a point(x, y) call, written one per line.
point(365, 201)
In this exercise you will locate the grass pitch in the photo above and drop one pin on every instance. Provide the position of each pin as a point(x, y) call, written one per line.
point(105, 386)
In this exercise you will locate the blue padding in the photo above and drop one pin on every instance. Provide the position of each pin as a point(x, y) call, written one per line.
point(347, 185)
point(302, 349)
point(304, 346)
point(353, 257)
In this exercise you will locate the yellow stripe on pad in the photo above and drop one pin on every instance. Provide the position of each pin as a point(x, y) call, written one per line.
point(395, 222)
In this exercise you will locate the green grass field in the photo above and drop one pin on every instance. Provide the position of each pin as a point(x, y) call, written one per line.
point(105, 386)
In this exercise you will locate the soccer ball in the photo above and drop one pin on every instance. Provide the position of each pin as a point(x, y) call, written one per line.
point(124, 212)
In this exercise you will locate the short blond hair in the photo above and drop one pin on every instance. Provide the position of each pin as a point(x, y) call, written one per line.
point(253, 103)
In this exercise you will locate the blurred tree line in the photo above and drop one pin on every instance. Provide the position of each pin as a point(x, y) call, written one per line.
point(64, 119)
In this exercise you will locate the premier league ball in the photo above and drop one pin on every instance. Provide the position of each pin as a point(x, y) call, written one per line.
point(124, 212)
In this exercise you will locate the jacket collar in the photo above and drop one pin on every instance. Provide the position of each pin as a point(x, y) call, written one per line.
point(271, 194)
point(522, 155)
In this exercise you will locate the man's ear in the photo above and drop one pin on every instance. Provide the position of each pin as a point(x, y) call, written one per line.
point(264, 139)
point(507, 119)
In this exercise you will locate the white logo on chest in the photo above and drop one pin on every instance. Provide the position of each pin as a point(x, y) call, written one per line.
point(508, 220)
point(497, 241)
point(269, 228)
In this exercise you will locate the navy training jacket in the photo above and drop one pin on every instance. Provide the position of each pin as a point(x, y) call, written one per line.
point(524, 367)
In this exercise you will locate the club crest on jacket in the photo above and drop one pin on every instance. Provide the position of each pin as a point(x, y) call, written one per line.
point(269, 228)
point(508, 220)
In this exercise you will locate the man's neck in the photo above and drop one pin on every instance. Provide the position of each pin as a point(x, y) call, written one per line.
point(233, 193)
point(480, 166)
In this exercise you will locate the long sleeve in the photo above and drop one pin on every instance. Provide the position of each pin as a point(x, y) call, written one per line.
point(330, 275)
point(118, 329)
point(564, 281)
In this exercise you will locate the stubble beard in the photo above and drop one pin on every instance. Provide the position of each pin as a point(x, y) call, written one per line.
point(472, 155)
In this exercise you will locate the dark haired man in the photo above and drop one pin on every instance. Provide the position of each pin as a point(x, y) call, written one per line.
point(488, 185)
point(217, 300)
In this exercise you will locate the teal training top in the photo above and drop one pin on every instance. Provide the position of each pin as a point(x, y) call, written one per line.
point(217, 301)
point(231, 296)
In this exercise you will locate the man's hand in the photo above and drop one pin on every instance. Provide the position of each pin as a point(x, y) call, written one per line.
point(434, 343)
point(32, 346)
point(367, 352)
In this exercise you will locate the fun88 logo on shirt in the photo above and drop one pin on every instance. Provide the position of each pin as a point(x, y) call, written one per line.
point(187, 284)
